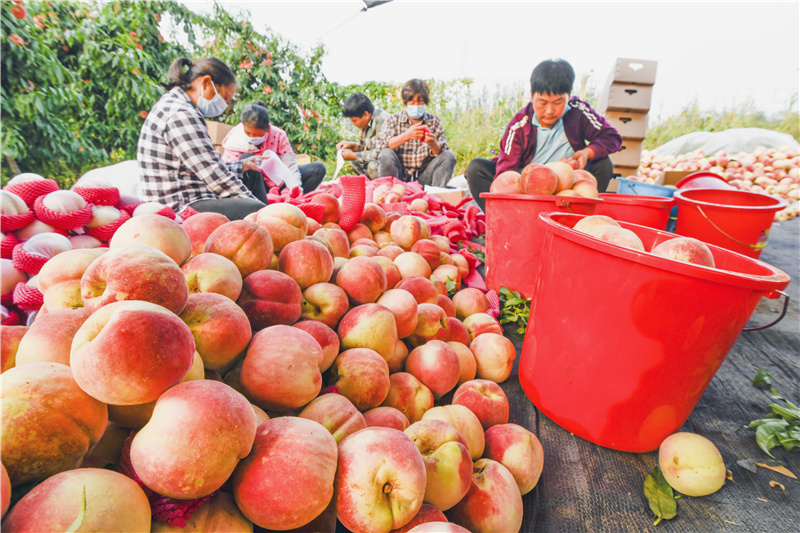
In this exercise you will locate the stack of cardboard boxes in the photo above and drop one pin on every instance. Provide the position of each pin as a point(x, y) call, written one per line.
point(624, 102)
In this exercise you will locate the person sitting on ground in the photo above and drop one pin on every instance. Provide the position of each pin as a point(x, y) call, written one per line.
point(363, 155)
point(552, 127)
point(412, 142)
point(255, 136)
point(178, 164)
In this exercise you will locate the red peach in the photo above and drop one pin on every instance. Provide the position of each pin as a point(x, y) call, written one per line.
point(493, 502)
point(508, 182)
point(405, 231)
point(393, 276)
point(213, 273)
point(619, 236)
point(447, 305)
point(564, 173)
point(49, 338)
point(336, 413)
point(220, 329)
point(409, 396)
point(586, 189)
point(246, 244)
point(484, 398)
point(479, 323)
point(359, 231)
point(494, 355)
point(285, 223)
point(589, 223)
point(465, 422)
point(538, 179)
point(331, 204)
point(363, 279)
point(403, 306)
point(457, 331)
point(391, 251)
point(436, 365)
point(270, 298)
point(159, 232)
point(685, 249)
point(363, 249)
point(307, 262)
point(327, 338)
point(426, 514)
point(369, 326)
point(448, 273)
point(374, 217)
point(412, 264)
point(469, 301)
point(387, 417)
point(467, 364)
point(325, 302)
point(519, 450)
point(362, 376)
point(398, 360)
point(421, 289)
point(442, 241)
point(429, 251)
point(337, 239)
point(10, 337)
point(200, 226)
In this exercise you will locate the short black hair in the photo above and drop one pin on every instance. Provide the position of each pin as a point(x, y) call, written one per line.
point(415, 87)
point(552, 76)
point(357, 104)
point(255, 115)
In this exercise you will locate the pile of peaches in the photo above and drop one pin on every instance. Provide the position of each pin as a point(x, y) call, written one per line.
point(555, 178)
point(275, 372)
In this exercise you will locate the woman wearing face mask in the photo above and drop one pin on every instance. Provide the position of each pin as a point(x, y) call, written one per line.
point(178, 163)
point(413, 144)
point(255, 136)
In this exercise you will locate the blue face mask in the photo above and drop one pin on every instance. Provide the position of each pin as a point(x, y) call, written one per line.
point(214, 107)
point(415, 111)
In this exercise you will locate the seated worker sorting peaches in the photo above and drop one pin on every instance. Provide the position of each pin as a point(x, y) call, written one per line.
point(552, 127)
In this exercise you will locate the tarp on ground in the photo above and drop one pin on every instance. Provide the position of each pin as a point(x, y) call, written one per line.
point(732, 141)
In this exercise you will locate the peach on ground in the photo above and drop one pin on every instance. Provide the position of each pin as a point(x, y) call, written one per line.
point(337, 239)
point(220, 513)
point(685, 249)
point(200, 226)
point(538, 179)
point(564, 173)
point(436, 365)
point(387, 417)
point(448, 273)
point(10, 337)
point(48, 422)
point(397, 363)
point(324, 302)
point(408, 395)
point(425, 228)
point(405, 231)
point(379, 193)
point(442, 241)
point(207, 272)
point(49, 338)
point(517, 449)
point(198, 433)
point(393, 276)
point(448, 464)
point(380, 481)
point(457, 331)
point(465, 422)
point(439, 527)
point(246, 244)
point(421, 288)
point(374, 217)
point(447, 305)
point(467, 364)
point(327, 338)
point(362, 376)
point(493, 502)
point(307, 262)
point(391, 251)
point(461, 263)
point(412, 264)
point(494, 355)
point(106, 501)
point(445, 259)
point(431, 321)
point(479, 323)
point(691, 464)
point(383, 239)
point(429, 250)
point(419, 204)
point(331, 204)
point(427, 513)
point(363, 279)
point(288, 478)
point(369, 326)
point(403, 306)
point(270, 298)
point(336, 413)
point(135, 272)
point(281, 368)
point(508, 182)
point(323, 241)
point(469, 301)
point(486, 399)
point(366, 242)
point(220, 328)
point(441, 288)
point(284, 222)
point(588, 223)
point(363, 249)
point(619, 236)
point(130, 352)
point(359, 231)
point(157, 231)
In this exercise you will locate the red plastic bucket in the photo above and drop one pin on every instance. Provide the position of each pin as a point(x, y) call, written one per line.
point(650, 211)
point(733, 219)
point(625, 362)
point(703, 180)
point(514, 237)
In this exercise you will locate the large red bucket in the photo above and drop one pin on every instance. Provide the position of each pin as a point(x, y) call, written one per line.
point(733, 219)
point(650, 211)
point(621, 344)
point(514, 237)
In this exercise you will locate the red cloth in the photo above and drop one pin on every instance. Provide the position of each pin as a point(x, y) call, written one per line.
point(27, 297)
point(29, 191)
point(104, 233)
point(475, 281)
point(7, 246)
point(315, 211)
point(399, 207)
point(15, 222)
point(188, 212)
point(166, 211)
point(58, 220)
point(98, 195)
point(26, 261)
point(353, 195)
point(494, 303)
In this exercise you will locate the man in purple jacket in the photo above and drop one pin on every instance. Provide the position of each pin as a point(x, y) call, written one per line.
point(552, 127)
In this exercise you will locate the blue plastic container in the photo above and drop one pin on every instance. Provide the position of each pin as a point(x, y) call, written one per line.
point(627, 186)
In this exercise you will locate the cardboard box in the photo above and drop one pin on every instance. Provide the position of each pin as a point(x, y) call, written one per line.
point(613, 185)
point(671, 177)
point(629, 156)
point(625, 171)
point(451, 196)
point(639, 71)
point(629, 125)
point(625, 97)
point(218, 131)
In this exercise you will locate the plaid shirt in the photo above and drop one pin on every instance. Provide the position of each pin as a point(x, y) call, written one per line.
point(415, 155)
point(178, 163)
point(369, 142)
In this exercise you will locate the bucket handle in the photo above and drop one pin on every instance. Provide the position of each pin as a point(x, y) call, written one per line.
point(753, 246)
point(564, 203)
point(783, 314)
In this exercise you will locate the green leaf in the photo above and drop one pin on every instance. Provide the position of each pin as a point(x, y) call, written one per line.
point(787, 414)
point(81, 515)
point(762, 378)
point(767, 434)
point(450, 285)
point(660, 496)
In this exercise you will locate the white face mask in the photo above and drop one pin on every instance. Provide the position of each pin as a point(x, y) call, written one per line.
point(214, 107)
point(257, 141)
point(415, 111)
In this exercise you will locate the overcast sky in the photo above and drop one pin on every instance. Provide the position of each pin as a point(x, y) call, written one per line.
point(721, 54)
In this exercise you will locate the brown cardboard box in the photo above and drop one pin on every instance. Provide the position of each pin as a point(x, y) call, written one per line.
point(629, 125)
point(639, 71)
point(671, 177)
point(625, 97)
point(629, 155)
point(217, 130)
point(625, 171)
point(451, 196)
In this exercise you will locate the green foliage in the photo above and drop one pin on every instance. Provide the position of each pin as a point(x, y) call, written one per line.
point(514, 308)
point(660, 496)
point(781, 427)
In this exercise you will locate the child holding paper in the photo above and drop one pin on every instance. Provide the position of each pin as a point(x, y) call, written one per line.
point(255, 136)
